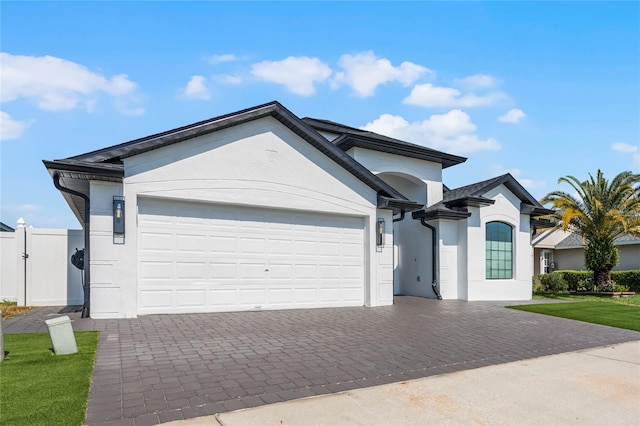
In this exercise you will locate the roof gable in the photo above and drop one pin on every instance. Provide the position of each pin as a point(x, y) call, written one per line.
point(479, 189)
point(108, 161)
point(455, 201)
point(351, 136)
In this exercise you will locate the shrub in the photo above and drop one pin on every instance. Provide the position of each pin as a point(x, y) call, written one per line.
point(554, 282)
point(579, 280)
point(630, 279)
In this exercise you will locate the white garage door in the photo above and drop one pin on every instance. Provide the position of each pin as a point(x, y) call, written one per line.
point(196, 257)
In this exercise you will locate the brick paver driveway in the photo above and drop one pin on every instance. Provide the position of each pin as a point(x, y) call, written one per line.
point(160, 368)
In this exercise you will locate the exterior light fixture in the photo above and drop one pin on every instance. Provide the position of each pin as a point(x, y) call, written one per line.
point(118, 215)
point(380, 228)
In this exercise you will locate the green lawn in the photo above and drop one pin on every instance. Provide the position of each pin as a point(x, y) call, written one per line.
point(40, 388)
point(599, 311)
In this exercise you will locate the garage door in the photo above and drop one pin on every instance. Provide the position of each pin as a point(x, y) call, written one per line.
point(196, 257)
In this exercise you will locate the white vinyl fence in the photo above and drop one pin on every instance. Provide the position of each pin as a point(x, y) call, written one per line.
point(35, 266)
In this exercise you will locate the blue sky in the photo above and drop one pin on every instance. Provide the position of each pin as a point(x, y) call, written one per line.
point(541, 90)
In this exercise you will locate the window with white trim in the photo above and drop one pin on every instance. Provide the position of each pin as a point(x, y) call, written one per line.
point(499, 251)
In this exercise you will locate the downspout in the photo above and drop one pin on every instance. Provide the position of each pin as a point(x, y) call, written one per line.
point(87, 252)
point(398, 219)
point(434, 246)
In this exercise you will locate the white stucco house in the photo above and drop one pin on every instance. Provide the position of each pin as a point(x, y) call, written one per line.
point(260, 209)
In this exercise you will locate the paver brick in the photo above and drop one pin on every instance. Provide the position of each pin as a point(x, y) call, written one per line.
point(212, 363)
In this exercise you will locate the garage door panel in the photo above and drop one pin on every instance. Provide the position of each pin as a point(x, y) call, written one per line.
point(351, 294)
point(191, 298)
point(191, 270)
point(251, 271)
point(305, 247)
point(222, 297)
point(209, 258)
point(222, 271)
point(305, 295)
point(280, 296)
point(156, 241)
point(252, 245)
point(252, 296)
point(220, 244)
point(189, 243)
point(155, 299)
point(156, 270)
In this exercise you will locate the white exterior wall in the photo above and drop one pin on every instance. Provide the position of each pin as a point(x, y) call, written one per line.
point(419, 181)
point(428, 172)
point(384, 262)
point(449, 258)
point(107, 256)
point(506, 209)
point(9, 266)
point(261, 163)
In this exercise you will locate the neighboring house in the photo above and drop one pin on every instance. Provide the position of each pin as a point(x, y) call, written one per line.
point(561, 250)
point(6, 228)
point(260, 209)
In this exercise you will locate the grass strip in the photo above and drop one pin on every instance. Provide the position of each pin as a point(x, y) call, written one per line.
point(631, 300)
point(40, 388)
point(11, 309)
point(598, 312)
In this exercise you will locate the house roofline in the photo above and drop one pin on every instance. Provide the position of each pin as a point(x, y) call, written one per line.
point(394, 146)
point(107, 162)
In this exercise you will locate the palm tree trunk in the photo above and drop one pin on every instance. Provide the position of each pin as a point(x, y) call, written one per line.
point(602, 278)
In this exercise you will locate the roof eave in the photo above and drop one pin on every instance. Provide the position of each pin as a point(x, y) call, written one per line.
point(349, 140)
point(441, 214)
point(470, 202)
point(398, 205)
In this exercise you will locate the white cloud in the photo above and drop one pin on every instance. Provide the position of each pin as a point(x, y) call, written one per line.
point(298, 74)
point(218, 59)
point(227, 79)
point(531, 183)
point(56, 84)
point(428, 95)
point(364, 72)
point(10, 128)
point(516, 173)
point(512, 116)
point(624, 147)
point(451, 132)
point(197, 88)
point(477, 81)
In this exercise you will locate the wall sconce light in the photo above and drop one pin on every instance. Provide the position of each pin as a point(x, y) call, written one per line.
point(380, 231)
point(118, 215)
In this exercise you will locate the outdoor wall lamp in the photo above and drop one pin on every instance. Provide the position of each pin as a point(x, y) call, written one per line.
point(118, 215)
point(380, 228)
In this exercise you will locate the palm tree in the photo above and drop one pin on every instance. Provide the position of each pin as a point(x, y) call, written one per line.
point(600, 211)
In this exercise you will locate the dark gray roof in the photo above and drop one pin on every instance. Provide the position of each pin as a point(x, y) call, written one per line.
point(6, 228)
point(574, 239)
point(107, 164)
point(349, 137)
point(455, 201)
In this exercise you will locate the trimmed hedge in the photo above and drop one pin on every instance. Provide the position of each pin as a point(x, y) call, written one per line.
point(560, 281)
point(629, 279)
point(554, 282)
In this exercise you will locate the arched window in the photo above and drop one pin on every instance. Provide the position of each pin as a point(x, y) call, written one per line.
point(499, 251)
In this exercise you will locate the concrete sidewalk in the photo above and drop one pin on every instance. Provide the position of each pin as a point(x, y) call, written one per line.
point(594, 386)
